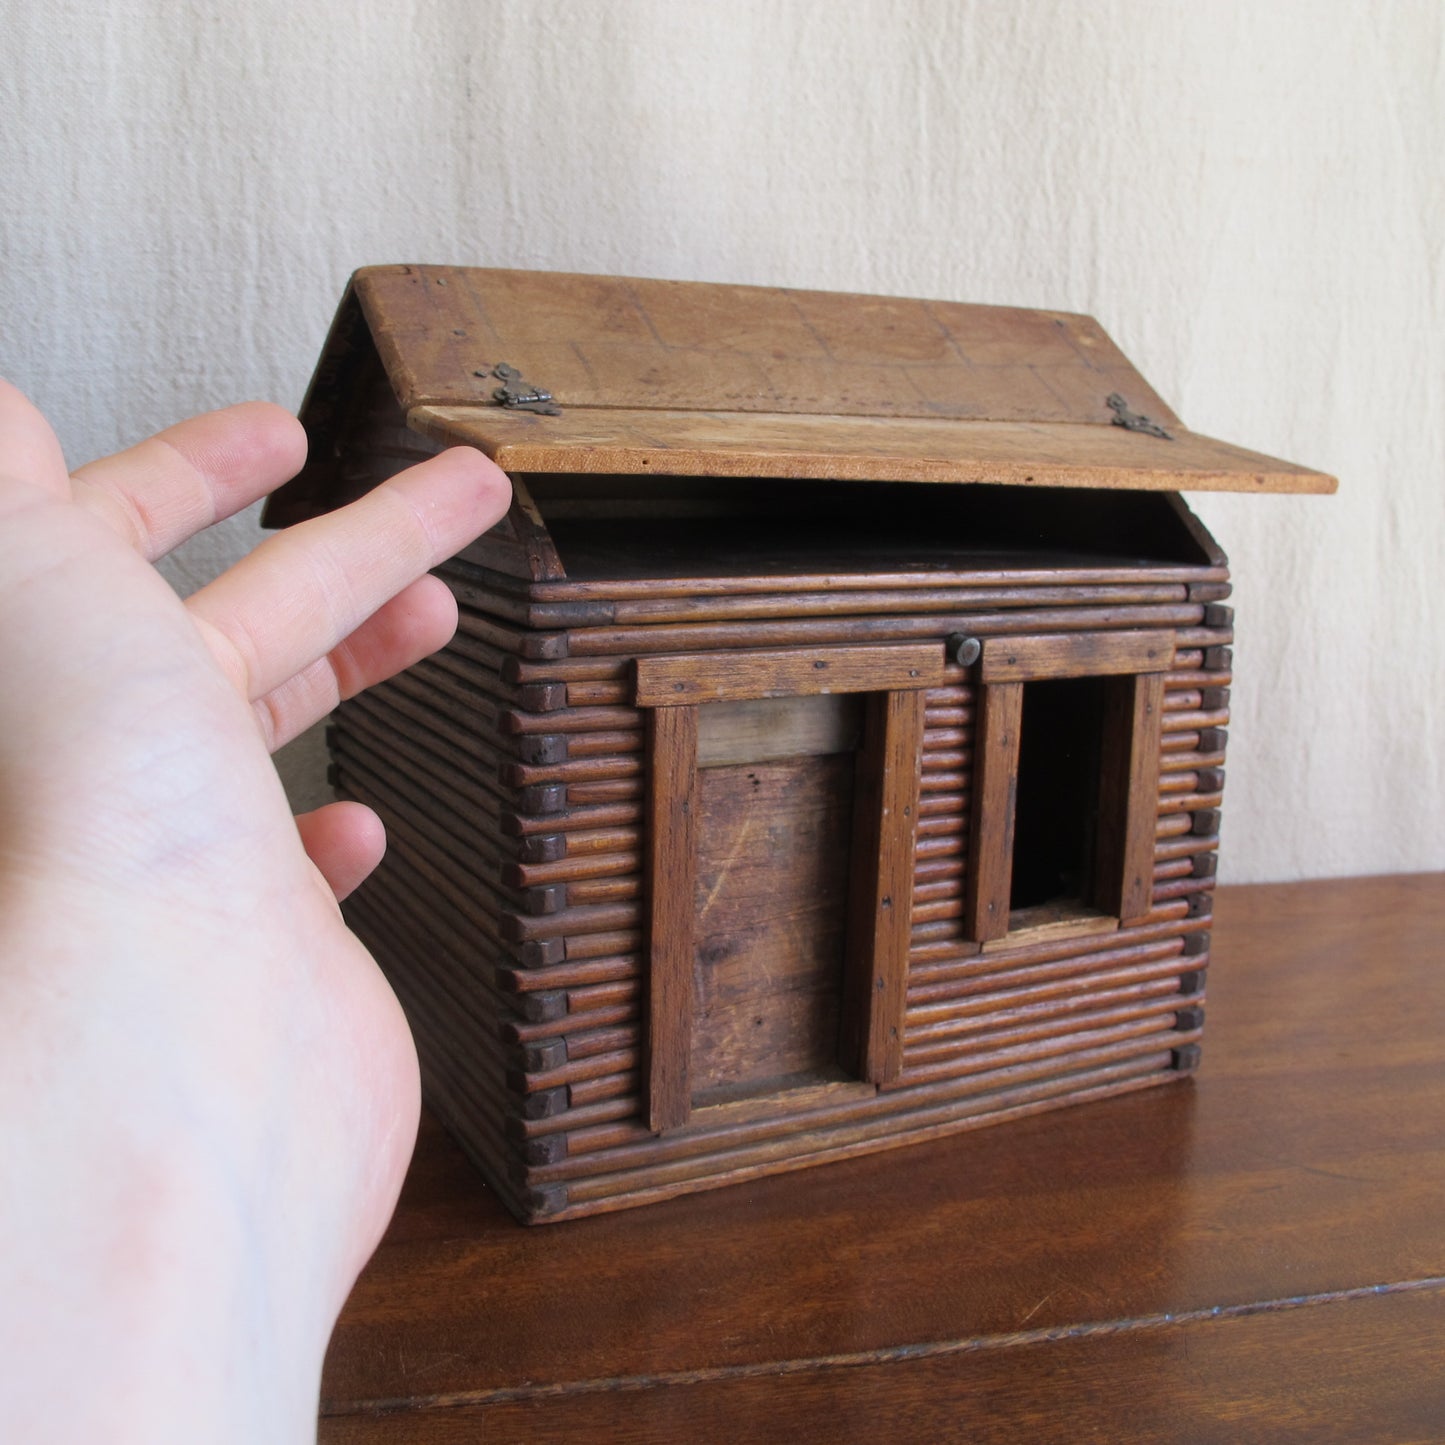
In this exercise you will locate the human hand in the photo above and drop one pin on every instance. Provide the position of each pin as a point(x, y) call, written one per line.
point(207, 1091)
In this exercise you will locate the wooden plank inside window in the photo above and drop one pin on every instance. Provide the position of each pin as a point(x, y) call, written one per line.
point(885, 830)
point(672, 855)
point(770, 894)
point(1075, 654)
point(758, 729)
point(680, 679)
point(991, 831)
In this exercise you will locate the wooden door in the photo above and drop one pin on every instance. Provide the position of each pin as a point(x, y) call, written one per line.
point(782, 820)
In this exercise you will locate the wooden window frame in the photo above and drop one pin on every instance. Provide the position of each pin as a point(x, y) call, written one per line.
point(1122, 885)
point(885, 829)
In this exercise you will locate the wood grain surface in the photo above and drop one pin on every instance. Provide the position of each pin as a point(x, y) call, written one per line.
point(772, 870)
point(860, 448)
point(1256, 1255)
point(608, 342)
point(688, 379)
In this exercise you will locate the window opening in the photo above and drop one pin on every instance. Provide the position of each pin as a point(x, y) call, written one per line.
point(1065, 792)
point(1056, 817)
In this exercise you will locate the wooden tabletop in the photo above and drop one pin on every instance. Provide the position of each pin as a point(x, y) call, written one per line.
point(1257, 1254)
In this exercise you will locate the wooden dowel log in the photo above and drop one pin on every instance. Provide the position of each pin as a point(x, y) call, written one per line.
point(611, 1086)
point(407, 751)
point(573, 923)
point(945, 997)
point(597, 1040)
point(933, 823)
point(942, 885)
point(568, 1025)
point(927, 869)
point(1150, 999)
point(573, 720)
point(685, 637)
point(589, 770)
point(1046, 1047)
point(1189, 803)
point(1187, 846)
point(575, 819)
point(944, 978)
point(1188, 722)
point(618, 790)
point(478, 586)
point(1185, 887)
point(604, 890)
point(773, 604)
point(619, 1062)
point(590, 745)
point(623, 1190)
point(572, 867)
point(677, 1157)
point(603, 945)
point(1051, 997)
point(570, 974)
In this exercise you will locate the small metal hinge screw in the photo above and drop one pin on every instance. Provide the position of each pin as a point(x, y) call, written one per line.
point(516, 394)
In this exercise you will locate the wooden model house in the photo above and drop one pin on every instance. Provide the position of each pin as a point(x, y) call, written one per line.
point(831, 752)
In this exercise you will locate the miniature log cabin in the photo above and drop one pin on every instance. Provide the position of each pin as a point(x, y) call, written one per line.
point(830, 755)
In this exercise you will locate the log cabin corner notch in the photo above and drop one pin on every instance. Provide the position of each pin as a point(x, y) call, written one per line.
point(831, 751)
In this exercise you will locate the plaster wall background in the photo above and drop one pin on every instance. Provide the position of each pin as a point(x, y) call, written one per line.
point(1250, 197)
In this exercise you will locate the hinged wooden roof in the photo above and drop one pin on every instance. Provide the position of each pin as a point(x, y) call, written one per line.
point(687, 378)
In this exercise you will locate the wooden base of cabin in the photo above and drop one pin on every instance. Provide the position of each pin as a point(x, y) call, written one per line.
point(830, 755)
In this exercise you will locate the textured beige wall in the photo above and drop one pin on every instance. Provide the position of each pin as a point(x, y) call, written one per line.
point(1250, 197)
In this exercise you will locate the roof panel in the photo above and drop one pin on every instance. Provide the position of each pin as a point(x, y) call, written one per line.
point(693, 379)
point(885, 449)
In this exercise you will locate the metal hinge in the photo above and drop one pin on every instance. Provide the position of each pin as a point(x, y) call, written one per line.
point(518, 395)
point(1131, 420)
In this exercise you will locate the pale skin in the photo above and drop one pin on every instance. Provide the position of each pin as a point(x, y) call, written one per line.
point(208, 1094)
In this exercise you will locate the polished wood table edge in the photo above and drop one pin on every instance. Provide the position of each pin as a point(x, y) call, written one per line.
point(930, 1349)
point(1312, 1151)
point(1302, 1376)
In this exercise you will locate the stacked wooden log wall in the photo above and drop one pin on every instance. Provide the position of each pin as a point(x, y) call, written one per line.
point(510, 911)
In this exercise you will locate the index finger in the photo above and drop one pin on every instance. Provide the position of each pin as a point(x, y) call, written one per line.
point(180, 481)
point(305, 590)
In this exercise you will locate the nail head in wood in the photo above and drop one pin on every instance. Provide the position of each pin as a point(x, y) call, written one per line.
point(963, 649)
